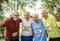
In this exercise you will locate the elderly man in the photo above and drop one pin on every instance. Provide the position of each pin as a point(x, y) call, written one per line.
point(52, 29)
point(11, 32)
point(38, 29)
point(26, 28)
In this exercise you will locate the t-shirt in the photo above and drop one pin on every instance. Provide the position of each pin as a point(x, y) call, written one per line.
point(12, 28)
point(26, 26)
point(50, 22)
point(39, 31)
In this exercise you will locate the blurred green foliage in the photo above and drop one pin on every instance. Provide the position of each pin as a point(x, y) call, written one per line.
point(52, 4)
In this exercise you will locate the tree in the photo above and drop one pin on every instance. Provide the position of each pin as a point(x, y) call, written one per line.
point(52, 4)
point(11, 5)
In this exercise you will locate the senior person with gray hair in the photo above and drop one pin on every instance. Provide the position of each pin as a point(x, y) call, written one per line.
point(11, 27)
point(38, 28)
point(26, 27)
point(52, 29)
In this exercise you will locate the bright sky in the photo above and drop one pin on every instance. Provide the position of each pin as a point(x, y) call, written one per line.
point(35, 10)
point(31, 10)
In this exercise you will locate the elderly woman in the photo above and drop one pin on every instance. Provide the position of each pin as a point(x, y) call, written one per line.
point(38, 29)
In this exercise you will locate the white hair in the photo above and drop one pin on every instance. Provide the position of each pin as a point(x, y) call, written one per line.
point(35, 15)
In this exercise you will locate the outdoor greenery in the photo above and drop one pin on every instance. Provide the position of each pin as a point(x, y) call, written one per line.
point(20, 5)
point(12, 5)
point(52, 4)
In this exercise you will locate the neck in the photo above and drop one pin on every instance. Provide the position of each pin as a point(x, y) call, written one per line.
point(46, 17)
point(36, 21)
point(14, 19)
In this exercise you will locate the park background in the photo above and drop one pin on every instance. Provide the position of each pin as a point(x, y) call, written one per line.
point(7, 7)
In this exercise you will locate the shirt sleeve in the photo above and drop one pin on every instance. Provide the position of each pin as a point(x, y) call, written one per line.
point(6, 23)
point(53, 22)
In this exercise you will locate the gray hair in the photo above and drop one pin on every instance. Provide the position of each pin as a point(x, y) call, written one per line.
point(35, 15)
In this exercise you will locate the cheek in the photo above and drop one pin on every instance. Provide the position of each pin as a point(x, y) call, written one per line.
point(16, 18)
point(43, 15)
point(34, 18)
point(27, 16)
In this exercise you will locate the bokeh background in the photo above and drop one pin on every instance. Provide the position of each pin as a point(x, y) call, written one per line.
point(7, 7)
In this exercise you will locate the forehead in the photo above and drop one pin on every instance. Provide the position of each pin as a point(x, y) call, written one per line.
point(27, 13)
point(43, 10)
point(35, 16)
point(15, 13)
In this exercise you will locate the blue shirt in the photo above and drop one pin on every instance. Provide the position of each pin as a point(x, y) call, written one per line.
point(39, 31)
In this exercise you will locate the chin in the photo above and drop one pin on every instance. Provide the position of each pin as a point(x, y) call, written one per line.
point(43, 16)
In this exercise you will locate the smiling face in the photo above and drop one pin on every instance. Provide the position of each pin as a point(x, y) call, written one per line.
point(35, 17)
point(15, 16)
point(27, 15)
point(44, 13)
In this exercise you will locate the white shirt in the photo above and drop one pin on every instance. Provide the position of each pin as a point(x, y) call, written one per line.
point(26, 26)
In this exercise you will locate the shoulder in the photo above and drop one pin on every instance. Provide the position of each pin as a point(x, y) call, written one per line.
point(19, 20)
point(32, 22)
point(40, 20)
point(50, 17)
point(30, 19)
point(7, 19)
point(21, 17)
